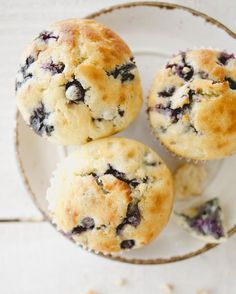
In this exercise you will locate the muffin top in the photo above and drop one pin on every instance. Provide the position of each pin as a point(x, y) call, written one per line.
point(192, 104)
point(77, 82)
point(111, 194)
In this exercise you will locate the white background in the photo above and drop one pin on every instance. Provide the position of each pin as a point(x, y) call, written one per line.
point(34, 258)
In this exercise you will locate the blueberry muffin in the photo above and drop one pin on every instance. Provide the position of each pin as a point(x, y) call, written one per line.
point(111, 195)
point(192, 104)
point(78, 82)
point(204, 221)
point(188, 180)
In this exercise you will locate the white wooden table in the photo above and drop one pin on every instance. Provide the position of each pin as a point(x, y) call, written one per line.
point(34, 258)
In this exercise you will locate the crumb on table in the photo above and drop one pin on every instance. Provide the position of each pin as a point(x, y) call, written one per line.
point(92, 292)
point(167, 288)
point(120, 282)
point(202, 291)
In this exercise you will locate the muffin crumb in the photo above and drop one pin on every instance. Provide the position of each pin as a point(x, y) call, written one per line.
point(92, 292)
point(167, 288)
point(120, 282)
point(188, 180)
point(204, 221)
point(203, 291)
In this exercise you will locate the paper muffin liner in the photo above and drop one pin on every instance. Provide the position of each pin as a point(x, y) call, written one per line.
point(87, 248)
point(155, 134)
point(105, 253)
point(69, 236)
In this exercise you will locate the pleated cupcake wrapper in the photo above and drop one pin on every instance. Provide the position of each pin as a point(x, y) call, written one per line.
point(83, 246)
point(70, 237)
point(63, 155)
point(95, 251)
point(153, 133)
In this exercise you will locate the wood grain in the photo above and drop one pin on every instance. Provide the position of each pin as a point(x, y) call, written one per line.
point(34, 258)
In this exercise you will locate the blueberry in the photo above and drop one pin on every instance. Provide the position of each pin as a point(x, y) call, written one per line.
point(75, 92)
point(45, 36)
point(127, 244)
point(133, 218)
point(121, 112)
point(54, 68)
point(23, 75)
point(97, 179)
point(177, 113)
point(208, 221)
point(38, 121)
point(133, 215)
point(29, 60)
point(123, 72)
point(133, 182)
point(183, 70)
point(120, 227)
point(224, 57)
point(168, 92)
point(232, 83)
point(121, 176)
point(86, 224)
point(117, 174)
point(99, 182)
point(207, 227)
point(78, 230)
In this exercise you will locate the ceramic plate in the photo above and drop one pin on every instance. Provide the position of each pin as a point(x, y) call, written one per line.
point(154, 31)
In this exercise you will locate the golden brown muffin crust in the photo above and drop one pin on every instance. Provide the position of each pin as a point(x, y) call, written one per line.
point(78, 82)
point(192, 104)
point(118, 185)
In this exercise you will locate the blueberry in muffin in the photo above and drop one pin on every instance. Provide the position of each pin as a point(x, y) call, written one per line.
point(85, 79)
point(192, 104)
point(111, 195)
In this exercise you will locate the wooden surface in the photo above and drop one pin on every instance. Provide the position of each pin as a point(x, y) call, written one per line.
point(34, 258)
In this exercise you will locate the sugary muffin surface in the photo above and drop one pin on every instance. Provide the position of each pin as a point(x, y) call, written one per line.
point(192, 104)
point(78, 82)
point(112, 194)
